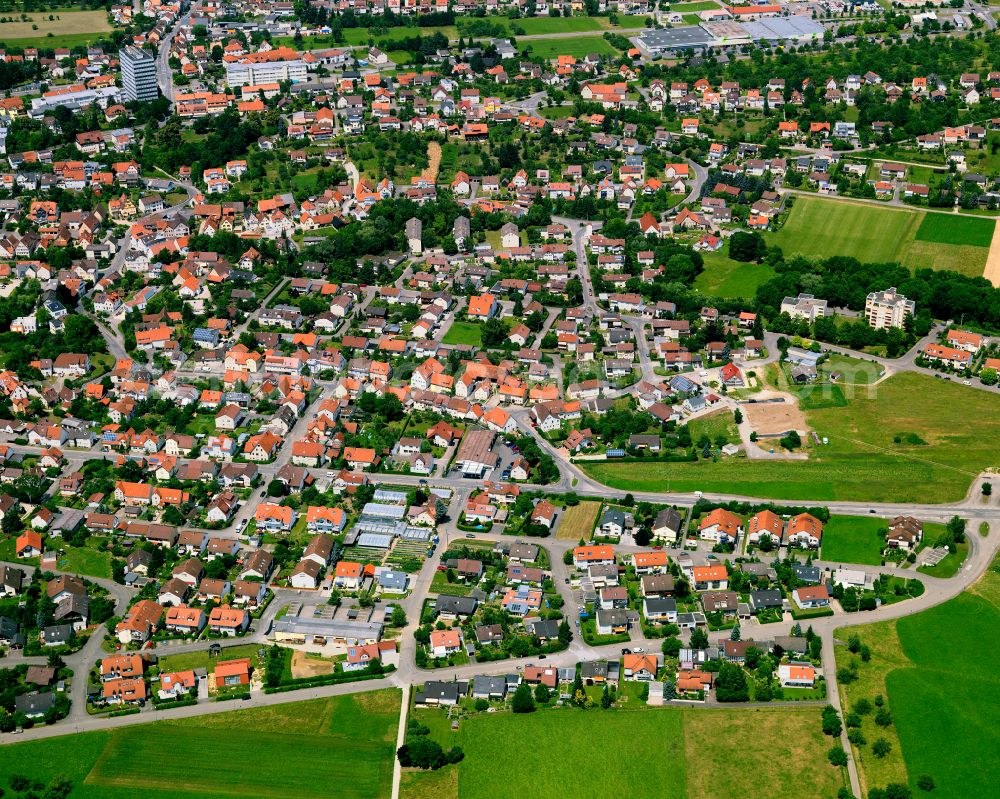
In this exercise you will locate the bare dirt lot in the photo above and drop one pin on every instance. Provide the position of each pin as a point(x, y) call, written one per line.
point(771, 418)
point(992, 271)
point(433, 159)
point(305, 666)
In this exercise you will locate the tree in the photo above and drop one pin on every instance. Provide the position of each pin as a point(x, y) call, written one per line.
point(831, 722)
point(606, 698)
point(925, 782)
point(881, 747)
point(988, 376)
point(671, 646)
point(643, 536)
point(276, 488)
point(523, 701)
point(541, 694)
point(987, 488)
point(565, 632)
point(883, 717)
point(734, 635)
point(493, 333)
point(837, 756)
point(747, 247)
point(699, 639)
point(731, 684)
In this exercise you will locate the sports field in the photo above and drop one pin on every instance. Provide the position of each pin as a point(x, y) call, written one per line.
point(820, 228)
point(299, 749)
point(910, 439)
point(941, 726)
point(853, 539)
point(675, 754)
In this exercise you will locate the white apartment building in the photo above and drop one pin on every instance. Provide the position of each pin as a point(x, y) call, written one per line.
point(885, 309)
point(271, 66)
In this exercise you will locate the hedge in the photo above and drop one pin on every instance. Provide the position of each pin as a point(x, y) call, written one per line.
point(170, 704)
point(329, 679)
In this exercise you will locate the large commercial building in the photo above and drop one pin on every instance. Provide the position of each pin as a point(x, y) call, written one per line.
point(138, 75)
point(885, 309)
point(268, 66)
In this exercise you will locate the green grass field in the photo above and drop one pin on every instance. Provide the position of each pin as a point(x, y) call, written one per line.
point(87, 560)
point(944, 434)
point(724, 277)
point(851, 370)
point(853, 539)
point(962, 230)
point(685, 754)
point(201, 660)
point(820, 228)
point(951, 563)
point(578, 48)
point(935, 716)
point(721, 423)
point(684, 8)
point(463, 333)
point(299, 749)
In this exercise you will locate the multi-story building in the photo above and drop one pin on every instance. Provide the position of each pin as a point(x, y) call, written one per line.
point(885, 309)
point(271, 66)
point(138, 75)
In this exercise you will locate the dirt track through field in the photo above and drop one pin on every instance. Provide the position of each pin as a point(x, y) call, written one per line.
point(433, 159)
point(992, 270)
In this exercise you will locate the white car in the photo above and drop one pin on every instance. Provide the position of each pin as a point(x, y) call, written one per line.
point(638, 650)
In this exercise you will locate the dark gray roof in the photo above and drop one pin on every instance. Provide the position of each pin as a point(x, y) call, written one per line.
point(665, 604)
point(34, 704)
point(464, 605)
point(443, 691)
point(765, 599)
point(485, 685)
point(547, 628)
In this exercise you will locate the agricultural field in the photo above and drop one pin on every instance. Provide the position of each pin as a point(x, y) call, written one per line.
point(934, 716)
point(853, 539)
point(910, 439)
point(686, 754)
point(724, 277)
point(820, 228)
point(66, 29)
point(578, 521)
point(298, 749)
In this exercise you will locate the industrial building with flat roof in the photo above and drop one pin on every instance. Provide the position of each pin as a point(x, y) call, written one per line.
point(728, 33)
